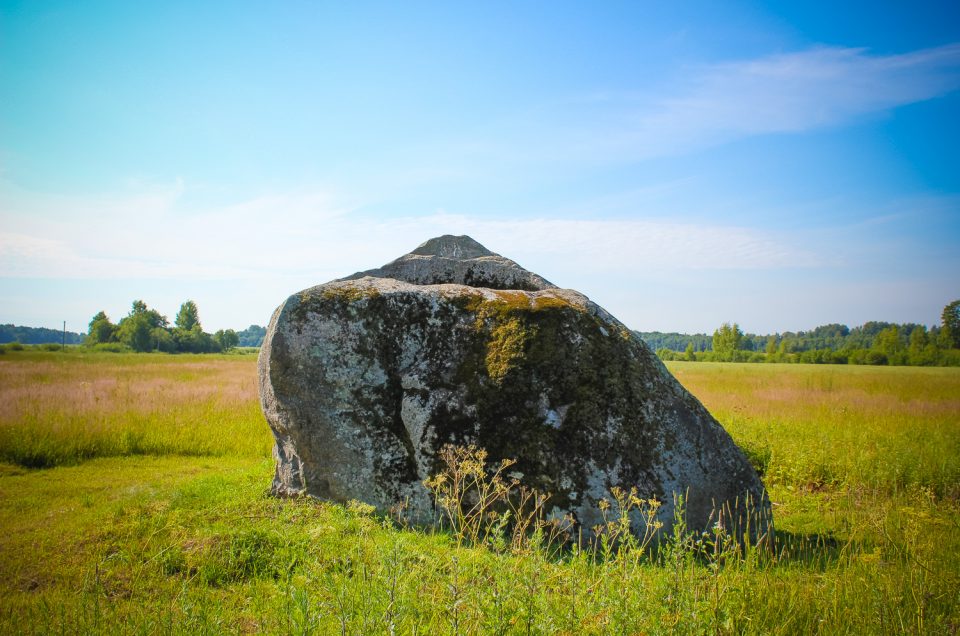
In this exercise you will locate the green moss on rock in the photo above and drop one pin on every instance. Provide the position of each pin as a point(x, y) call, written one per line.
point(506, 346)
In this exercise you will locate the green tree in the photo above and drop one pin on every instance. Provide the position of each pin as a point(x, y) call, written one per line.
point(726, 340)
point(689, 353)
point(188, 316)
point(922, 351)
point(162, 340)
point(771, 346)
point(136, 329)
point(918, 339)
point(252, 336)
point(226, 339)
point(101, 329)
point(153, 317)
point(194, 340)
point(188, 340)
point(889, 343)
point(950, 321)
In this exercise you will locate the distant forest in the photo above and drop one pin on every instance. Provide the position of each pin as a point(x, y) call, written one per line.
point(37, 335)
point(252, 336)
point(834, 336)
point(870, 343)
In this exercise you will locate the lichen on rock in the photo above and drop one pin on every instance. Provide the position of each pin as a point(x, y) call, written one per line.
point(365, 378)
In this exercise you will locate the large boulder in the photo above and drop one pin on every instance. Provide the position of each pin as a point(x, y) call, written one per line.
point(365, 378)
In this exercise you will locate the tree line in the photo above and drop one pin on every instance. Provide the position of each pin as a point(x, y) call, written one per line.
point(875, 343)
point(108, 336)
point(145, 329)
point(37, 335)
point(252, 336)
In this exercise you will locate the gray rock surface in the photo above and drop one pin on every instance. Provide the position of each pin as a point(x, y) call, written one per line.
point(364, 379)
point(459, 260)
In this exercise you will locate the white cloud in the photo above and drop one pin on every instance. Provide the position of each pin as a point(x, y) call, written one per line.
point(26, 256)
point(712, 104)
point(801, 91)
point(312, 234)
point(151, 231)
point(239, 260)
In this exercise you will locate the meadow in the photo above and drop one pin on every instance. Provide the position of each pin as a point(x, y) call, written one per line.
point(133, 499)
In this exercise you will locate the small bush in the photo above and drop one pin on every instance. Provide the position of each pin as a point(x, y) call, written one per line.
point(668, 354)
point(876, 357)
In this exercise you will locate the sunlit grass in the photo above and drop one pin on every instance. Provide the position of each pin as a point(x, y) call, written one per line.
point(887, 428)
point(180, 536)
point(64, 408)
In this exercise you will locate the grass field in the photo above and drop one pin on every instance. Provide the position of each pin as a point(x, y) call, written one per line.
point(133, 500)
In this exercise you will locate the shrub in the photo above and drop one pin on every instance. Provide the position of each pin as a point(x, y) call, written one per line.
point(876, 357)
point(822, 356)
point(857, 356)
point(667, 354)
point(950, 358)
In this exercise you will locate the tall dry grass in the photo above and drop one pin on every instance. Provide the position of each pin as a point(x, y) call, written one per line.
point(886, 428)
point(60, 409)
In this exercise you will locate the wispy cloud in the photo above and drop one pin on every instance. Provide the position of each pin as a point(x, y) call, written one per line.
point(313, 234)
point(711, 104)
point(800, 91)
point(153, 231)
point(29, 256)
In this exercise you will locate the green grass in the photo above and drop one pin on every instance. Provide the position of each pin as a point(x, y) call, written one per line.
point(809, 426)
point(184, 538)
point(60, 409)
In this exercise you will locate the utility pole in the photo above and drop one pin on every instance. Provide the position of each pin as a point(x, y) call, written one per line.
point(63, 343)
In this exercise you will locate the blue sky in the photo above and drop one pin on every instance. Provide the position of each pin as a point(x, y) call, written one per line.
point(779, 166)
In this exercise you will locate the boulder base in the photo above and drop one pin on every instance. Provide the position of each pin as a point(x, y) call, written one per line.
point(364, 379)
